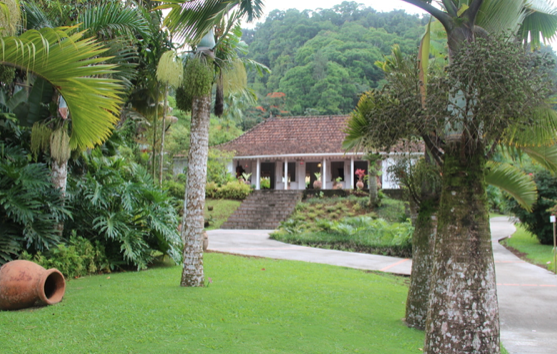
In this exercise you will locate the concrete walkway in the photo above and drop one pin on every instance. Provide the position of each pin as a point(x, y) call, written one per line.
point(257, 243)
point(527, 293)
point(527, 299)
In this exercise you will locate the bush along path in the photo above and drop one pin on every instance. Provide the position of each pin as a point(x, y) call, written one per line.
point(348, 224)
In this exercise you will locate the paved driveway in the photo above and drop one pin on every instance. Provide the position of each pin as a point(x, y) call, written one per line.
point(527, 293)
point(527, 299)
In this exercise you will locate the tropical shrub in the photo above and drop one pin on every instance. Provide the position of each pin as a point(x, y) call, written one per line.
point(175, 189)
point(217, 166)
point(360, 234)
point(265, 183)
point(230, 190)
point(30, 207)
point(537, 221)
point(77, 258)
point(116, 202)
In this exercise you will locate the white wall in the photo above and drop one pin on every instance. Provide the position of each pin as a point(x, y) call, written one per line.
point(388, 181)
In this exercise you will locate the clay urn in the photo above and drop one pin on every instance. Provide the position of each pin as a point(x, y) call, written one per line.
point(25, 284)
point(317, 184)
point(360, 185)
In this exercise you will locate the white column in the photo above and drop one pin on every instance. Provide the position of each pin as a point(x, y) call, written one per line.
point(258, 175)
point(286, 174)
point(352, 173)
point(324, 175)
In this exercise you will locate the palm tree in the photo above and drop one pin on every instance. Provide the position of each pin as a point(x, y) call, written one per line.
point(116, 26)
point(194, 20)
point(463, 22)
point(418, 124)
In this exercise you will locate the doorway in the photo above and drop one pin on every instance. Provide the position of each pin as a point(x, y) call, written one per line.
point(311, 169)
point(268, 171)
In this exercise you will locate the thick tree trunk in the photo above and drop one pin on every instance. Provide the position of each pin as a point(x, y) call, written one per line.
point(423, 245)
point(163, 131)
point(194, 201)
point(463, 315)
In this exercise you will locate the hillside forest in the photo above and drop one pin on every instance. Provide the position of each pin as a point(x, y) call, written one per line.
point(322, 60)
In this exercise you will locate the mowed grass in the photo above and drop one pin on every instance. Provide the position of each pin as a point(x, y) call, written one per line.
point(523, 241)
point(222, 209)
point(253, 305)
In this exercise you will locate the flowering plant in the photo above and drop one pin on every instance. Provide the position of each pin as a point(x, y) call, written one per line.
point(360, 173)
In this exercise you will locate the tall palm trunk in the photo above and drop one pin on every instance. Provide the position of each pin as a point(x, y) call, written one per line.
point(463, 315)
point(194, 201)
point(423, 245)
point(60, 175)
point(163, 131)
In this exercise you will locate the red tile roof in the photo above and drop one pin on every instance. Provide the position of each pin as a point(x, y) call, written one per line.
point(299, 135)
point(296, 135)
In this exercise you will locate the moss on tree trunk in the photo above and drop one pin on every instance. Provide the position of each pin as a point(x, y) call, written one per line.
point(423, 243)
point(194, 201)
point(463, 314)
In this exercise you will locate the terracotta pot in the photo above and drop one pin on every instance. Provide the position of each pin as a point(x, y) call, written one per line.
point(317, 184)
point(360, 185)
point(25, 284)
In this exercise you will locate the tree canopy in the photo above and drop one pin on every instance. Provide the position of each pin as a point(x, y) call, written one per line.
point(322, 60)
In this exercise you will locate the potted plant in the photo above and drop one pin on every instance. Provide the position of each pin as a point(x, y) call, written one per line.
point(245, 177)
point(360, 173)
point(337, 184)
point(317, 183)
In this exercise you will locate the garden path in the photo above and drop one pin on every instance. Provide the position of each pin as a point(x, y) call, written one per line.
point(527, 293)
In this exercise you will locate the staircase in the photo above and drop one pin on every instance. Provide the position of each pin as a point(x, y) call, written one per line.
point(264, 209)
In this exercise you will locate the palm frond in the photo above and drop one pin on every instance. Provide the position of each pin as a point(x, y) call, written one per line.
point(112, 20)
point(546, 156)
point(542, 132)
point(35, 17)
point(513, 181)
point(540, 22)
point(497, 16)
point(191, 20)
point(73, 66)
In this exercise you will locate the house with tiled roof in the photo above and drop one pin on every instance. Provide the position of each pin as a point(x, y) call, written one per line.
point(286, 153)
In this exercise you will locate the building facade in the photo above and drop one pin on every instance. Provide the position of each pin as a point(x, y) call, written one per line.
point(292, 153)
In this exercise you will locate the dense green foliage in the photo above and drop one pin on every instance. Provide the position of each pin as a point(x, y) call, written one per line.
point(348, 224)
point(230, 190)
point(323, 59)
point(537, 221)
point(30, 207)
point(116, 202)
point(251, 305)
point(356, 234)
point(77, 258)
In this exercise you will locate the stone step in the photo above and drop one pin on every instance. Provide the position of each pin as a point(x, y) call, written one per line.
point(264, 210)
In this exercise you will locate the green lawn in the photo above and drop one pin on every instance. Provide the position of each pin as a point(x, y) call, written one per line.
point(252, 306)
point(527, 243)
point(222, 209)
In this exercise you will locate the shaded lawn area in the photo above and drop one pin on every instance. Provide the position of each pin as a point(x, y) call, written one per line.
point(532, 251)
point(222, 209)
point(252, 306)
